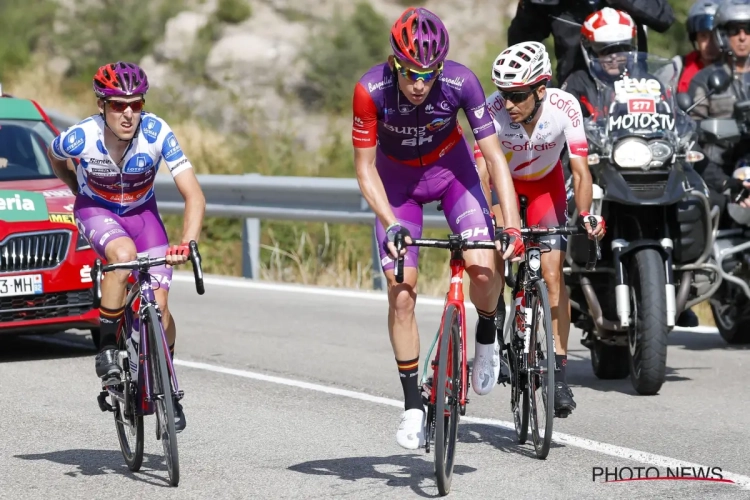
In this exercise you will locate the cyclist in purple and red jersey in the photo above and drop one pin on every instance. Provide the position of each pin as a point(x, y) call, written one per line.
point(119, 152)
point(409, 150)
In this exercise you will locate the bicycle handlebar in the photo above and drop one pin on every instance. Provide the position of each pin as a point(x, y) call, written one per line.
point(144, 264)
point(455, 243)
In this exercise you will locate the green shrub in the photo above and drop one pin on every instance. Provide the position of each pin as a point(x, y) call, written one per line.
point(21, 30)
point(112, 30)
point(338, 60)
point(233, 11)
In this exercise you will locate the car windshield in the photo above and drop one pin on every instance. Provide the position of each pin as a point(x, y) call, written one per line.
point(23, 150)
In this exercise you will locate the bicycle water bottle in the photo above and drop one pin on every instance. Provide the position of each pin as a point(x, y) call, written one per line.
point(519, 313)
point(132, 344)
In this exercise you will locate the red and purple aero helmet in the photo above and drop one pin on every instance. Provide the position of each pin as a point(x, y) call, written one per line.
point(120, 79)
point(419, 37)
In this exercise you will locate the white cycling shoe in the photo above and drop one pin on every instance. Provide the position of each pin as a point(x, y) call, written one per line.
point(410, 433)
point(486, 368)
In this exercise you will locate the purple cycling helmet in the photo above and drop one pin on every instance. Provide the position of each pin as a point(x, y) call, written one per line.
point(120, 79)
point(419, 37)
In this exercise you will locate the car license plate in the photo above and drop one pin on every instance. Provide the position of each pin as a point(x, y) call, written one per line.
point(25, 284)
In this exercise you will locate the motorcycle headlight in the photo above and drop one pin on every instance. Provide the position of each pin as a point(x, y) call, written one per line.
point(82, 243)
point(660, 151)
point(632, 153)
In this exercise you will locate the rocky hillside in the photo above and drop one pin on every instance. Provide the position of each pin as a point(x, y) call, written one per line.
point(259, 63)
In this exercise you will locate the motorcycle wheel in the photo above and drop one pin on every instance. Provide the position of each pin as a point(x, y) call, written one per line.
point(647, 336)
point(733, 330)
point(609, 362)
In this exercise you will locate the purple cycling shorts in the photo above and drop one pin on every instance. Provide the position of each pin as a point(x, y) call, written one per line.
point(453, 179)
point(143, 225)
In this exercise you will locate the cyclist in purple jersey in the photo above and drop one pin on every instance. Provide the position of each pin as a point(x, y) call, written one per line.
point(410, 150)
point(119, 152)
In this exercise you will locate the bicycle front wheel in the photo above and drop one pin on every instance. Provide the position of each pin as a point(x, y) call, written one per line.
point(129, 425)
point(447, 394)
point(161, 390)
point(541, 375)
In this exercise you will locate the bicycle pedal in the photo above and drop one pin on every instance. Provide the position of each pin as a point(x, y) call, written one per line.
point(102, 400)
point(562, 413)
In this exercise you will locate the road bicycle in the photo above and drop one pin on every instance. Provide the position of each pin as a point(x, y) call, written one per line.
point(449, 367)
point(148, 382)
point(530, 356)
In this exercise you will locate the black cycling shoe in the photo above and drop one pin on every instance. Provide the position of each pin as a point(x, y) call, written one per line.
point(564, 403)
point(179, 417)
point(688, 319)
point(107, 368)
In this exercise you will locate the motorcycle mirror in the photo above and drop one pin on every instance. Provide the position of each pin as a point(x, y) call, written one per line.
point(718, 81)
point(684, 101)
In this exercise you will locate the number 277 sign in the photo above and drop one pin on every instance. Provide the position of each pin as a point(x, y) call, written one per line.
point(641, 106)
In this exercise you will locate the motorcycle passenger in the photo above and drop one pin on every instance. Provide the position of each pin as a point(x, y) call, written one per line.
point(534, 124)
point(699, 23)
point(732, 37)
point(609, 45)
point(535, 20)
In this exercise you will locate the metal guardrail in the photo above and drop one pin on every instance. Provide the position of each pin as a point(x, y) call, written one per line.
point(253, 197)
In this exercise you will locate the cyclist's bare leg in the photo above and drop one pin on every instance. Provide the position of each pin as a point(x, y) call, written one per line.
point(166, 317)
point(402, 324)
point(552, 272)
point(113, 290)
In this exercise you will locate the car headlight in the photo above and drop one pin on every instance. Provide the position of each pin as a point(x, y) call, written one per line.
point(632, 153)
point(82, 243)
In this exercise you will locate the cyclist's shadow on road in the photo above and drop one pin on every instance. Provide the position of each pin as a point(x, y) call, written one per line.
point(100, 462)
point(416, 472)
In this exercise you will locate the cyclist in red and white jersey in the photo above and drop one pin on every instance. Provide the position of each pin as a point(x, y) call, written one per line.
point(409, 150)
point(533, 123)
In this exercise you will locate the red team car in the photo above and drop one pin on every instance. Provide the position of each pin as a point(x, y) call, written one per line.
point(45, 285)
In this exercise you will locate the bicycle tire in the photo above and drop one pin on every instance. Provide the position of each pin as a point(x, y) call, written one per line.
point(542, 372)
point(519, 391)
point(161, 390)
point(448, 380)
point(133, 458)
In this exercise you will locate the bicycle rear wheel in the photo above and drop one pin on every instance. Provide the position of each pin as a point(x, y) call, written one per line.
point(447, 393)
point(130, 425)
point(541, 374)
point(161, 390)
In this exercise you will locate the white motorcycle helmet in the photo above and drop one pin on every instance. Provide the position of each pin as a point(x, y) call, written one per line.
point(740, 215)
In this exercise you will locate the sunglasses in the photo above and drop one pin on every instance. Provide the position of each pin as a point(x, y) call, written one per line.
point(121, 106)
point(414, 75)
point(734, 29)
point(515, 97)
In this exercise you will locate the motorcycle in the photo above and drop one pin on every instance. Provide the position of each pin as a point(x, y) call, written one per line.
point(730, 304)
point(656, 254)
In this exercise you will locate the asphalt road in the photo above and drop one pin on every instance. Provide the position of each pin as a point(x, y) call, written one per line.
point(293, 392)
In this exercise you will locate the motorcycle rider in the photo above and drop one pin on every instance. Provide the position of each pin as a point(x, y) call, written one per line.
point(699, 23)
point(732, 37)
point(535, 20)
point(609, 44)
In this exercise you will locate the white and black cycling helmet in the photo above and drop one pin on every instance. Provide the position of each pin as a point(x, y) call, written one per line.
point(525, 63)
point(729, 11)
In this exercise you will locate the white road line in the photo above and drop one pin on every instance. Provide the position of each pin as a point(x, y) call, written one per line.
point(232, 282)
point(565, 439)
